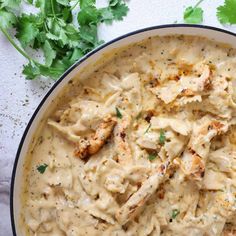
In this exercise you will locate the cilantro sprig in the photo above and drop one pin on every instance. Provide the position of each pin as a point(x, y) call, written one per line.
point(226, 14)
point(53, 31)
point(194, 15)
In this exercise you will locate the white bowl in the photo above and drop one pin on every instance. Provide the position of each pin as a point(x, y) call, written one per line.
point(17, 174)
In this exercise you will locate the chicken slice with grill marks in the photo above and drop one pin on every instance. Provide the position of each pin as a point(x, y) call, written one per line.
point(135, 203)
point(86, 148)
point(195, 157)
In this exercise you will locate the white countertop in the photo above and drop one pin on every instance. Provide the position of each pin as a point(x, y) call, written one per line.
point(19, 97)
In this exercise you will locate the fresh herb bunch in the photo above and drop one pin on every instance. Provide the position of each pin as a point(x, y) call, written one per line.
point(53, 31)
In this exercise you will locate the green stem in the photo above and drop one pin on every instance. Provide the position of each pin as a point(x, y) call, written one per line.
point(57, 14)
point(15, 45)
point(54, 45)
point(74, 5)
point(22, 52)
point(45, 27)
point(53, 10)
point(198, 3)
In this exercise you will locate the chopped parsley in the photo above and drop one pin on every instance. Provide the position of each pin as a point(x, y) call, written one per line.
point(226, 14)
point(174, 213)
point(118, 113)
point(162, 137)
point(148, 128)
point(41, 169)
point(194, 15)
point(152, 157)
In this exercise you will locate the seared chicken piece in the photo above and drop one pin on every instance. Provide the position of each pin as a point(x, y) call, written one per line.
point(205, 78)
point(194, 165)
point(131, 208)
point(135, 203)
point(195, 157)
point(86, 148)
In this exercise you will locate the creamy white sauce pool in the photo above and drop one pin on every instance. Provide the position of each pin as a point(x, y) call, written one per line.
point(145, 146)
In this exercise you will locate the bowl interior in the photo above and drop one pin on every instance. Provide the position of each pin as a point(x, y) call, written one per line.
point(91, 59)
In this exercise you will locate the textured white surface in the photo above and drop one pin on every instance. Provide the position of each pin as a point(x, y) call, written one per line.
point(19, 97)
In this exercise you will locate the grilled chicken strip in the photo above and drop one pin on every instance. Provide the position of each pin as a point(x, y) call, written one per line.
point(86, 148)
point(135, 203)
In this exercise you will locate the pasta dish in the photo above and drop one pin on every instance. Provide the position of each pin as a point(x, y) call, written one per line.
point(146, 145)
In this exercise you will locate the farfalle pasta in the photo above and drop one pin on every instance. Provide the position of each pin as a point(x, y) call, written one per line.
point(145, 145)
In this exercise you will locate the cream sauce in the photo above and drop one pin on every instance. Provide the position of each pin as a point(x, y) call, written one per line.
point(145, 146)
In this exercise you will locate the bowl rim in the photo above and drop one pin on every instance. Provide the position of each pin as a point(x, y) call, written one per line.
point(69, 70)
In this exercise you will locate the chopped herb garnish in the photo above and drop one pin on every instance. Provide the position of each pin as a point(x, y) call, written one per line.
point(152, 157)
point(148, 128)
point(194, 15)
point(118, 113)
point(41, 169)
point(162, 137)
point(174, 214)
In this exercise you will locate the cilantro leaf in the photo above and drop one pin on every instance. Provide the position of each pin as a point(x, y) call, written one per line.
point(118, 113)
point(67, 15)
point(49, 53)
point(118, 9)
point(10, 4)
point(88, 15)
point(174, 213)
point(115, 11)
point(86, 3)
point(194, 15)
point(152, 157)
point(162, 137)
point(76, 54)
point(63, 2)
point(106, 15)
point(41, 169)
point(50, 7)
point(32, 70)
point(113, 3)
point(27, 28)
point(89, 33)
point(8, 19)
point(226, 14)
